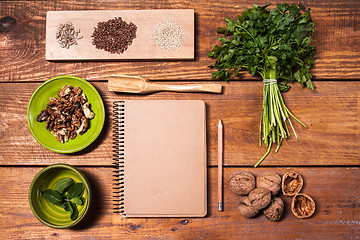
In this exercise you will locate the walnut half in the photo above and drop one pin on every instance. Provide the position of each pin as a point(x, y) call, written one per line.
point(302, 206)
point(292, 183)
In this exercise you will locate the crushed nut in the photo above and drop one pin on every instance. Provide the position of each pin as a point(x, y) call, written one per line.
point(67, 116)
point(87, 112)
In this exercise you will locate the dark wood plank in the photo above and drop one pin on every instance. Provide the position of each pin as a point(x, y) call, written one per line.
point(23, 49)
point(335, 191)
point(331, 114)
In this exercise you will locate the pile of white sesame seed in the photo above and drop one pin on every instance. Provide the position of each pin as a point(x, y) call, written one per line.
point(168, 35)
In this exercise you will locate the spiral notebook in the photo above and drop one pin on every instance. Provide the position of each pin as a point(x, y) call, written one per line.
point(160, 155)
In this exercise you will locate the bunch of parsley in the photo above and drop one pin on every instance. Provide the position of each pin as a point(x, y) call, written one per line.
point(276, 46)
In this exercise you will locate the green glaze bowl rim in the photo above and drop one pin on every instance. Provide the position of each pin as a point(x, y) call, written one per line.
point(95, 134)
point(83, 179)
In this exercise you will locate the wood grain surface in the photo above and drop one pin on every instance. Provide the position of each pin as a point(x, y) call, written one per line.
point(23, 49)
point(327, 153)
point(331, 114)
point(335, 191)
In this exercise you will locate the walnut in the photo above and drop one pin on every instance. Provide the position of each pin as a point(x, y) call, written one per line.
point(270, 181)
point(83, 126)
point(42, 116)
point(83, 98)
point(87, 112)
point(67, 116)
point(75, 121)
point(242, 182)
point(246, 209)
point(73, 134)
point(274, 210)
point(291, 183)
point(65, 90)
point(302, 206)
point(259, 198)
point(77, 90)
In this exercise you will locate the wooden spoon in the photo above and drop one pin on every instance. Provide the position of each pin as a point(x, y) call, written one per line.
point(130, 84)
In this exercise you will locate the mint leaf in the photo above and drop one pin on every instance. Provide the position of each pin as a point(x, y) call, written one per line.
point(64, 184)
point(74, 213)
point(66, 206)
point(82, 200)
point(77, 201)
point(52, 196)
point(75, 191)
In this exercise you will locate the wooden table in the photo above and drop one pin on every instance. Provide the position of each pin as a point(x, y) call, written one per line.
point(327, 154)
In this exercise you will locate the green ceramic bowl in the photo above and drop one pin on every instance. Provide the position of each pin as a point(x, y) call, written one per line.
point(48, 213)
point(38, 102)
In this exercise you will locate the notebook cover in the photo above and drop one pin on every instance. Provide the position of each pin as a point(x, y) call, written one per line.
point(164, 158)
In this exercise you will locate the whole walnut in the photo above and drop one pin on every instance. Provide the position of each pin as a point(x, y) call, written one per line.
point(259, 198)
point(275, 209)
point(242, 182)
point(246, 209)
point(270, 181)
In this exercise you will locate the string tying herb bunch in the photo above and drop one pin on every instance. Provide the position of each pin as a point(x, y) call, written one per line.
point(276, 46)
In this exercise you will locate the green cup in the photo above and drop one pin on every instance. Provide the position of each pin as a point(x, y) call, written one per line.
point(48, 213)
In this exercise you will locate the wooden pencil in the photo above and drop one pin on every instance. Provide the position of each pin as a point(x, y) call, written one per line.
point(220, 166)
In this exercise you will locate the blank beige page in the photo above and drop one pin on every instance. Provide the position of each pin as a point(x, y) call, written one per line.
point(165, 158)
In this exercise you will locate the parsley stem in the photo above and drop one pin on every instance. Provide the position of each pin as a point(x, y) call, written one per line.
point(245, 31)
point(261, 159)
point(274, 116)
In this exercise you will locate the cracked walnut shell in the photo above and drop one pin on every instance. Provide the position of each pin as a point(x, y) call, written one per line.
point(242, 182)
point(274, 211)
point(269, 180)
point(302, 206)
point(292, 183)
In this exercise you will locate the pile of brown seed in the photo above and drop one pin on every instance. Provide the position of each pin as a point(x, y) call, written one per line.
point(114, 35)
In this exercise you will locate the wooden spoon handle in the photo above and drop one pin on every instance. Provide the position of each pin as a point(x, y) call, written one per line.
point(206, 87)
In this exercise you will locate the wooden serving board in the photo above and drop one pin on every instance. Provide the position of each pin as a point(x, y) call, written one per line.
point(143, 46)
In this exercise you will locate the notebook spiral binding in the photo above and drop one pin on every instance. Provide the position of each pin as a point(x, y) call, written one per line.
point(118, 157)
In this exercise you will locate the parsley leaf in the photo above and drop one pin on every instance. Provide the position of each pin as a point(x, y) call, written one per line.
point(275, 45)
point(284, 33)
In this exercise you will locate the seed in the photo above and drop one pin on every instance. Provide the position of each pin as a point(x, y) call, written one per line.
point(67, 35)
point(114, 35)
point(168, 35)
